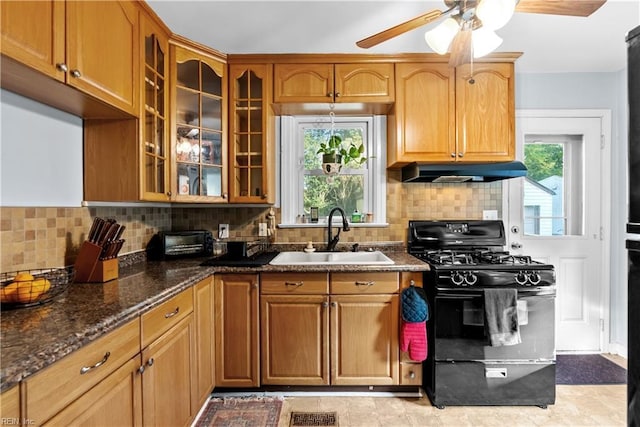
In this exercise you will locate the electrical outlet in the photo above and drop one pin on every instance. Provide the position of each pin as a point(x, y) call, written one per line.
point(223, 231)
point(489, 214)
point(262, 229)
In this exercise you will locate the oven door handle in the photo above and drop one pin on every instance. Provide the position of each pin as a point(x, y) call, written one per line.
point(522, 293)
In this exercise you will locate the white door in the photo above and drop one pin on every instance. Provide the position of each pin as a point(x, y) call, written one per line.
point(555, 216)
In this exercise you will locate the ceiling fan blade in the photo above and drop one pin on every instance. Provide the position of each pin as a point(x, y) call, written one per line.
point(560, 7)
point(392, 32)
point(461, 48)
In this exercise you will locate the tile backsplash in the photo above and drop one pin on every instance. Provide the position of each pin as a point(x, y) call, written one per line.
point(44, 237)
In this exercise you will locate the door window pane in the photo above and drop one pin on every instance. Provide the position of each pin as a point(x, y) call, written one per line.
point(553, 190)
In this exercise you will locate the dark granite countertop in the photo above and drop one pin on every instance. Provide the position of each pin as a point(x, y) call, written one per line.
point(33, 338)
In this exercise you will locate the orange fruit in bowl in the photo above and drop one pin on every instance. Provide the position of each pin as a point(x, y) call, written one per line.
point(31, 290)
point(8, 294)
point(23, 277)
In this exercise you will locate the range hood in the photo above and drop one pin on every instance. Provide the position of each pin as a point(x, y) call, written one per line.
point(462, 172)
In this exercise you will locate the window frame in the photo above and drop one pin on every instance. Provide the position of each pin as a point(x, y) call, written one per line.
point(292, 166)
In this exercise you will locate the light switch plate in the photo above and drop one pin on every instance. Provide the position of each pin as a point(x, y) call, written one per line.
point(262, 229)
point(223, 231)
point(489, 214)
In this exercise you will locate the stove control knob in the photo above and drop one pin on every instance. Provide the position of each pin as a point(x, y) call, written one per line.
point(534, 278)
point(470, 278)
point(457, 279)
point(521, 278)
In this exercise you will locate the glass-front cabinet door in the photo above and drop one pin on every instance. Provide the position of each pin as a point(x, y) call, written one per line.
point(250, 129)
point(154, 129)
point(199, 145)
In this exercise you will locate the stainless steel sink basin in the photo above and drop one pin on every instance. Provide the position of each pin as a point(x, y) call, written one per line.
point(315, 258)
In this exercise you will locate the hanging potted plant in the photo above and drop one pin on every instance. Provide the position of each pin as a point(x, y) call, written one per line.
point(334, 155)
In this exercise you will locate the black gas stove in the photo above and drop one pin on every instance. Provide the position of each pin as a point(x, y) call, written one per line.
point(471, 254)
point(468, 263)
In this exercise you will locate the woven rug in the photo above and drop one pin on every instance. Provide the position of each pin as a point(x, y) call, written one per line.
point(318, 419)
point(241, 412)
point(583, 369)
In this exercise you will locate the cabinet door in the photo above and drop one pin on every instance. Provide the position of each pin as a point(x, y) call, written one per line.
point(295, 339)
point(364, 83)
point(252, 149)
point(199, 110)
point(103, 51)
point(204, 373)
point(237, 336)
point(364, 340)
point(422, 128)
point(10, 404)
point(166, 381)
point(37, 41)
point(303, 83)
point(485, 112)
point(115, 401)
point(154, 129)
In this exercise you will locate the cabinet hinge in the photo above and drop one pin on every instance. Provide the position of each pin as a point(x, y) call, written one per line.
point(602, 142)
point(602, 233)
point(602, 325)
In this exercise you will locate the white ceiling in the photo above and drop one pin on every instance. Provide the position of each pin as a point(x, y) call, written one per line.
point(549, 43)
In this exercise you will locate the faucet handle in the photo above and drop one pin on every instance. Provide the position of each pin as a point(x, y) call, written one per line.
point(354, 247)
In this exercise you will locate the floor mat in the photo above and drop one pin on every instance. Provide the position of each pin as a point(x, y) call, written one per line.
point(241, 411)
point(320, 419)
point(583, 369)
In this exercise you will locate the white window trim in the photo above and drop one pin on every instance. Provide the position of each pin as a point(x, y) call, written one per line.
point(292, 177)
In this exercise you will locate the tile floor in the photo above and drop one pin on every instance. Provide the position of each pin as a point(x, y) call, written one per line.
point(597, 405)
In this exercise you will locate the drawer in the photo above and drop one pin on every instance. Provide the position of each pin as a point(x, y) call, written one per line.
point(159, 320)
point(364, 283)
point(294, 283)
point(57, 386)
point(407, 277)
point(410, 373)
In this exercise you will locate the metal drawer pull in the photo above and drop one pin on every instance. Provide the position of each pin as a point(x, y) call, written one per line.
point(173, 313)
point(86, 369)
point(150, 362)
point(369, 283)
point(62, 67)
point(412, 375)
point(296, 284)
point(76, 74)
point(495, 372)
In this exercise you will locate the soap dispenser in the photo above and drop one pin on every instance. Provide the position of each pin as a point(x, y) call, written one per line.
point(356, 216)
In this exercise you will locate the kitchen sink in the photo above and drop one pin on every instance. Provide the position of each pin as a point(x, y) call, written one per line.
point(315, 258)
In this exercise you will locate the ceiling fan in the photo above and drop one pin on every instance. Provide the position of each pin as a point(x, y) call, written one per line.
point(469, 28)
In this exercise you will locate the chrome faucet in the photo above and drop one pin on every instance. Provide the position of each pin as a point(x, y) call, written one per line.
point(332, 242)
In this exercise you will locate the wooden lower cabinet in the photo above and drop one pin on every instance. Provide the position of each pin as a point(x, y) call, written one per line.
point(10, 404)
point(353, 338)
point(236, 325)
point(205, 355)
point(364, 339)
point(166, 380)
point(295, 339)
point(115, 401)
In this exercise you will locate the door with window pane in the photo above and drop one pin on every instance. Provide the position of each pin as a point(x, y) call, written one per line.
point(555, 217)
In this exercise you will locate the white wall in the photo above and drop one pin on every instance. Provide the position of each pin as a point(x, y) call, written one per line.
point(595, 91)
point(40, 154)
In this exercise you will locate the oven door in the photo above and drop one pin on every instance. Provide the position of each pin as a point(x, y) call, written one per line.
point(460, 328)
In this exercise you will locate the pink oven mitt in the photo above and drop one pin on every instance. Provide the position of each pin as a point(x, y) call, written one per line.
point(413, 338)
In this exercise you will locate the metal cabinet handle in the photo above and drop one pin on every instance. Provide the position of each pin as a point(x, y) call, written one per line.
point(76, 73)
point(140, 370)
point(62, 67)
point(86, 369)
point(173, 313)
point(337, 94)
point(325, 304)
point(296, 284)
point(224, 195)
point(453, 155)
point(412, 375)
point(461, 154)
point(412, 282)
point(264, 195)
point(330, 95)
point(369, 283)
point(150, 362)
point(334, 304)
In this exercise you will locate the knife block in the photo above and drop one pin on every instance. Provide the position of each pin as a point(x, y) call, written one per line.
point(90, 268)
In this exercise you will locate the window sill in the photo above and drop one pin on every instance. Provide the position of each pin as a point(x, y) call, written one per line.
point(336, 223)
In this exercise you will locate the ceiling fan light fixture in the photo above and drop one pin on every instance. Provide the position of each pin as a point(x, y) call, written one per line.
point(495, 14)
point(439, 38)
point(484, 41)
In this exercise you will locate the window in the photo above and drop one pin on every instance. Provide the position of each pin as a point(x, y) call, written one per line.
point(358, 186)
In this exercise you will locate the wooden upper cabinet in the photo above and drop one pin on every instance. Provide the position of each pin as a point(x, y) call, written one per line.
point(252, 138)
point(443, 114)
point(485, 112)
point(422, 125)
point(154, 110)
point(102, 50)
point(199, 126)
point(33, 33)
point(89, 45)
point(339, 83)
